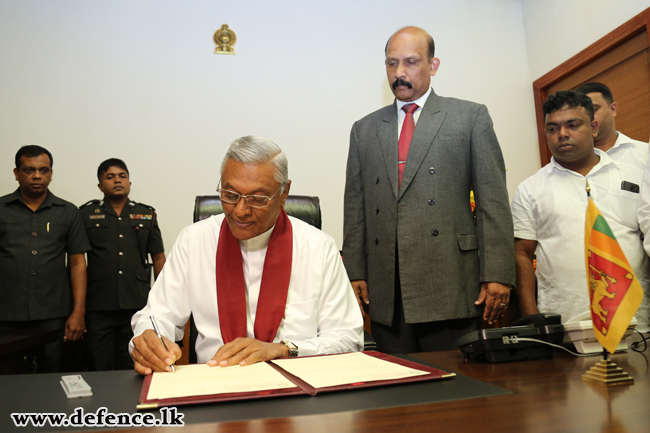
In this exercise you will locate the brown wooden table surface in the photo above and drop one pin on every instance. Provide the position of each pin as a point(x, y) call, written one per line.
point(547, 396)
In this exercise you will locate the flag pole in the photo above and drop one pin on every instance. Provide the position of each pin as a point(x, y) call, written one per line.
point(605, 372)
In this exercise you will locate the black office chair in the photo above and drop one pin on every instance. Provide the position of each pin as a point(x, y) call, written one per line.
point(305, 208)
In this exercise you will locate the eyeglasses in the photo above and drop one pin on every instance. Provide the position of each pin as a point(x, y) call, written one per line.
point(256, 201)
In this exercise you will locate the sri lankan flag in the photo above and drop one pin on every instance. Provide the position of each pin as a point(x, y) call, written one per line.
point(614, 292)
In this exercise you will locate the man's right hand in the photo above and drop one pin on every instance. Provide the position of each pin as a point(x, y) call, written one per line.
point(360, 288)
point(149, 355)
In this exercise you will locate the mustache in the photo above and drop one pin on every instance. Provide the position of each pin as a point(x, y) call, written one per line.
point(401, 82)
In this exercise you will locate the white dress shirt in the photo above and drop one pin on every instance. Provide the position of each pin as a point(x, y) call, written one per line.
point(643, 213)
point(550, 207)
point(321, 316)
point(629, 151)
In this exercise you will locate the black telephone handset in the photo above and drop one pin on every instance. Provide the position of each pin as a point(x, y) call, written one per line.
point(539, 320)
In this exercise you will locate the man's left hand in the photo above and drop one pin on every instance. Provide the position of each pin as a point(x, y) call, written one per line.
point(496, 297)
point(75, 327)
point(247, 351)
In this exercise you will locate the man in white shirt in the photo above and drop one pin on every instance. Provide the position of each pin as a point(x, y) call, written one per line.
point(549, 213)
point(259, 284)
point(617, 145)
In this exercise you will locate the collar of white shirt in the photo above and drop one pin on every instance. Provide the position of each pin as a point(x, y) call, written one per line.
point(604, 161)
point(257, 243)
point(621, 139)
point(421, 101)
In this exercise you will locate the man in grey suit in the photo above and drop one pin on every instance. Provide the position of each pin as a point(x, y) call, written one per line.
point(414, 251)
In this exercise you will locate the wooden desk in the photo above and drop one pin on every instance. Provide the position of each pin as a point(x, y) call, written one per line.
point(548, 396)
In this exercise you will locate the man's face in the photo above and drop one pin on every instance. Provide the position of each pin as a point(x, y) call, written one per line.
point(570, 135)
point(115, 183)
point(408, 69)
point(604, 113)
point(34, 175)
point(244, 221)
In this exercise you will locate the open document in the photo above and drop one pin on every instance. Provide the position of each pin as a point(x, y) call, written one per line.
point(346, 368)
point(199, 383)
point(201, 379)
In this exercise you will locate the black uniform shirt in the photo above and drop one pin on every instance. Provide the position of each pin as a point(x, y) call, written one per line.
point(117, 275)
point(33, 245)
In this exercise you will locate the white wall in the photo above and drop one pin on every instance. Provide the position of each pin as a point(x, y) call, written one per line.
point(556, 30)
point(138, 80)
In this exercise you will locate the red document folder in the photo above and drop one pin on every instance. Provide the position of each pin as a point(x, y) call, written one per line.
point(301, 388)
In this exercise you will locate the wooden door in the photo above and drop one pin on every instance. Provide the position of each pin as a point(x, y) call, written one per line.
point(621, 61)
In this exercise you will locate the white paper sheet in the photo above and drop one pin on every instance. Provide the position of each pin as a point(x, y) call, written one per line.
point(192, 380)
point(343, 369)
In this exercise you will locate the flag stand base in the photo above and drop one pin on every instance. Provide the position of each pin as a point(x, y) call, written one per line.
point(607, 373)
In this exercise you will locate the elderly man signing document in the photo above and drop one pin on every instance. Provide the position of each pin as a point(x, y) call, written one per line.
point(260, 284)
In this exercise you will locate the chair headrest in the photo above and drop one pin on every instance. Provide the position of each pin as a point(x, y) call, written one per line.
point(303, 207)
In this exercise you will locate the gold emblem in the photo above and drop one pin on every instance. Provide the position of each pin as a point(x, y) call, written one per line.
point(225, 40)
point(97, 210)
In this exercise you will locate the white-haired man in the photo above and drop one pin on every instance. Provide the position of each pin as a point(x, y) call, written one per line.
point(262, 286)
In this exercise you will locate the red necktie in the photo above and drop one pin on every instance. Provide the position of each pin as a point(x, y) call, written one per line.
point(405, 138)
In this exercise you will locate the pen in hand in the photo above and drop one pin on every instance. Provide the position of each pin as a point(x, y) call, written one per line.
point(155, 327)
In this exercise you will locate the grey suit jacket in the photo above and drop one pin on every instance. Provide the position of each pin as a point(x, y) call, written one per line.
point(443, 253)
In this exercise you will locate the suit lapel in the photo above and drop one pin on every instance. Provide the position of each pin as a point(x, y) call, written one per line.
point(387, 132)
point(427, 127)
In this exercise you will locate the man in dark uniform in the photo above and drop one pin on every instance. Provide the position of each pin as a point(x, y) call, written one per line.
point(37, 230)
point(123, 234)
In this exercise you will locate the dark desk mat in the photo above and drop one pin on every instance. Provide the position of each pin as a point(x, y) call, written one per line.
point(118, 391)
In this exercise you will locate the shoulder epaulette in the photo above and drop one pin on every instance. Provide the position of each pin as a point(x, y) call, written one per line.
point(95, 201)
point(142, 204)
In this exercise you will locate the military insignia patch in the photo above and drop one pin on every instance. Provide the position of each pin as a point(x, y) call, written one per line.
point(97, 217)
point(98, 210)
point(136, 216)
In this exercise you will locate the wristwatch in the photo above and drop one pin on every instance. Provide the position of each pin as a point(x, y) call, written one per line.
point(293, 349)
